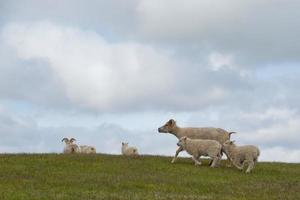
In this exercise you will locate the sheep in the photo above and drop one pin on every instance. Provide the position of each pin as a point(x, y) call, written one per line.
point(129, 151)
point(70, 147)
point(87, 149)
point(209, 133)
point(199, 147)
point(239, 155)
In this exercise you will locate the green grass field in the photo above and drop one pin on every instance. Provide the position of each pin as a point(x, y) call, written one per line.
point(54, 176)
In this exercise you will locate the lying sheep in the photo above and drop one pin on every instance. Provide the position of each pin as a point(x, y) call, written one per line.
point(207, 133)
point(198, 148)
point(87, 149)
point(239, 155)
point(129, 151)
point(70, 147)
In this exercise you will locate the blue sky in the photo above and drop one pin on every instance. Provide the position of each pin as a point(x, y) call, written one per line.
point(105, 72)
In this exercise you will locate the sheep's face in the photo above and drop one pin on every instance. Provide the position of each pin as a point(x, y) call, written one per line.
point(228, 144)
point(168, 127)
point(72, 140)
point(124, 144)
point(182, 142)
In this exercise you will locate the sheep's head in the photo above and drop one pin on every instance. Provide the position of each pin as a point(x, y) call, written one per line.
point(168, 127)
point(228, 144)
point(66, 140)
point(182, 142)
point(72, 140)
point(124, 144)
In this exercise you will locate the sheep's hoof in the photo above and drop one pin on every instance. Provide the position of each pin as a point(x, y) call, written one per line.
point(198, 164)
point(173, 161)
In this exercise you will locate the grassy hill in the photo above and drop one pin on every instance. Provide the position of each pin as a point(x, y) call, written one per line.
point(52, 176)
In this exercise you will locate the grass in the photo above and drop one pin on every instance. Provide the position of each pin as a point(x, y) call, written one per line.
point(54, 176)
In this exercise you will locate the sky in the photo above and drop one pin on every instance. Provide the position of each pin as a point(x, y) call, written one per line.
point(107, 72)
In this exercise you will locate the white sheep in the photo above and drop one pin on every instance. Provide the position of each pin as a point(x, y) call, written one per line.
point(129, 151)
point(208, 133)
point(87, 149)
point(70, 147)
point(239, 155)
point(199, 147)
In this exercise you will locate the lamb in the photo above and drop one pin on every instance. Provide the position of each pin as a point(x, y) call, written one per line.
point(70, 147)
point(239, 155)
point(87, 149)
point(129, 151)
point(199, 147)
point(209, 133)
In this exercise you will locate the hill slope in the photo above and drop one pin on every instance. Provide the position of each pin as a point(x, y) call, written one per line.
point(52, 176)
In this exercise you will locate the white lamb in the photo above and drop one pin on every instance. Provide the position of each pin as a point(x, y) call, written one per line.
point(87, 149)
point(70, 147)
point(198, 148)
point(239, 155)
point(129, 151)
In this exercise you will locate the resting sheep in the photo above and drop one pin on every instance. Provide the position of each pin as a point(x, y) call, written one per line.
point(239, 155)
point(70, 147)
point(207, 133)
point(129, 151)
point(198, 148)
point(87, 149)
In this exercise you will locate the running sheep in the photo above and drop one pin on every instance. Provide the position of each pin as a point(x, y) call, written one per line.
point(239, 155)
point(198, 148)
point(129, 151)
point(208, 133)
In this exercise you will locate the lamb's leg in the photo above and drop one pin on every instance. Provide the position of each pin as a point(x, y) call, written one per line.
point(176, 154)
point(237, 164)
point(219, 158)
point(229, 161)
point(250, 166)
point(197, 162)
point(215, 161)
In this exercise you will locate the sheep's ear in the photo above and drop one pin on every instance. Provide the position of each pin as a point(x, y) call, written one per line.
point(171, 122)
point(184, 138)
point(232, 142)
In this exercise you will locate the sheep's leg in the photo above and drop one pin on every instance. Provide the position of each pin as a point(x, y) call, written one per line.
point(250, 166)
point(237, 164)
point(196, 160)
point(176, 154)
point(215, 161)
point(219, 158)
point(229, 161)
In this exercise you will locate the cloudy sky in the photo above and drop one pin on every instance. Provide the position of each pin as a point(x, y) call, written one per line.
point(111, 71)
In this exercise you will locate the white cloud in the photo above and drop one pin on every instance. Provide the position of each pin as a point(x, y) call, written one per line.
point(94, 72)
point(218, 61)
point(257, 32)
